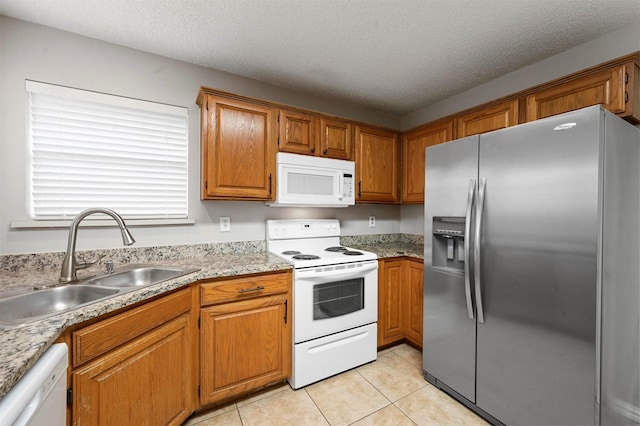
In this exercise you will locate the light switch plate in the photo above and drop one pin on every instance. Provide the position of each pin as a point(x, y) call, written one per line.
point(225, 224)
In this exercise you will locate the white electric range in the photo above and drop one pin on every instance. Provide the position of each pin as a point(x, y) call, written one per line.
point(335, 298)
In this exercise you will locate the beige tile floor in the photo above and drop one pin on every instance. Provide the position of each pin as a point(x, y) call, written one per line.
point(388, 391)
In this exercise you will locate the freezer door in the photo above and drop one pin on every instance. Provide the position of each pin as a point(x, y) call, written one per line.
point(449, 339)
point(536, 347)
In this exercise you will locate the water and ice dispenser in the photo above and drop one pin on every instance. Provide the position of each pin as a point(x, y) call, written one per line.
point(448, 244)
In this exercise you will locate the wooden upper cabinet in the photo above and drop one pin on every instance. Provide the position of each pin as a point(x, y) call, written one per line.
point(336, 139)
point(606, 87)
point(311, 135)
point(239, 142)
point(298, 133)
point(414, 143)
point(377, 165)
point(487, 119)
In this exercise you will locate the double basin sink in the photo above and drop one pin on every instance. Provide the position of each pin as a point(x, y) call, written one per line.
point(28, 307)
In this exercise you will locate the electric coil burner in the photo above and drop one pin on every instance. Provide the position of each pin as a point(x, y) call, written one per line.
point(336, 249)
point(305, 257)
point(335, 298)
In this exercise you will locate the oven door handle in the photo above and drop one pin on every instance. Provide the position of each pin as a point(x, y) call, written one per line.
point(322, 272)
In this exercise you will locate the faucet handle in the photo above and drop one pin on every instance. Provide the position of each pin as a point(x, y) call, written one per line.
point(84, 264)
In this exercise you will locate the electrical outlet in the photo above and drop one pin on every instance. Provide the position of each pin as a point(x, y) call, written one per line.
point(225, 224)
point(372, 221)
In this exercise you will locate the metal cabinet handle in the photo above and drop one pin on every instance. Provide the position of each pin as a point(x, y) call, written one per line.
point(313, 150)
point(249, 290)
point(467, 247)
point(476, 248)
point(325, 151)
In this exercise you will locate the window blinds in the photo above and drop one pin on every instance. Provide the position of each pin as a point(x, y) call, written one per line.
point(90, 149)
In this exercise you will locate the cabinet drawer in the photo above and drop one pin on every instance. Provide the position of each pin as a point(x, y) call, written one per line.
point(103, 336)
point(243, 288)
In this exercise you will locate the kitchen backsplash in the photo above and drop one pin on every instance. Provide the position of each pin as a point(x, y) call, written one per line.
point(351, 240)
point(52, 260)
point(44, 261)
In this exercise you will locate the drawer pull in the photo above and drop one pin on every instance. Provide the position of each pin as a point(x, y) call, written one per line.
point(249, 290)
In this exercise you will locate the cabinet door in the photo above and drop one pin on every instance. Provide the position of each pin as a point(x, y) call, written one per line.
point(414, 144)
point(605, 87)
point(145, 382)
point(412, 301)
point(377, 165)
point(390, 277)
point(488, 119)
point(244, 345)
point(336, 139)
point(238, 149)
point(298, 133)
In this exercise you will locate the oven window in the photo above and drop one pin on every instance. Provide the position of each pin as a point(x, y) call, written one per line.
point(338, 298)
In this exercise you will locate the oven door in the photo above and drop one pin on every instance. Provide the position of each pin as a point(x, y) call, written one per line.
point(329, 299)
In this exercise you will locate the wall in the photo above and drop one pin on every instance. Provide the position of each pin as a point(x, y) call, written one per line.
point(29, 51)
point(618, 43)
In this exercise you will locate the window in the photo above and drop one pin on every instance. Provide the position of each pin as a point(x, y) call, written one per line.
point(89, 149)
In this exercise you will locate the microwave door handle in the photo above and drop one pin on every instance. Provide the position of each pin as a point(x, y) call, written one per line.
point(340, 186)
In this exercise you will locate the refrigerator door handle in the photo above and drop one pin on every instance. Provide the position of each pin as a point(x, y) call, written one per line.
point(476, 247)
point(467, 247)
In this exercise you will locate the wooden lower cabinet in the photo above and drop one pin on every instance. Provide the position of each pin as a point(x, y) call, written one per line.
point(400, 283)
point(389, 302)
point(143, 380)
point(413, 300)
point(246, 343)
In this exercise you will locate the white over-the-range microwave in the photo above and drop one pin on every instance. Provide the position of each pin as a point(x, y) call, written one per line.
point(307, 181)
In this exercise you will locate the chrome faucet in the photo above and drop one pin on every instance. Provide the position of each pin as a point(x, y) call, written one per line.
point(69, 263)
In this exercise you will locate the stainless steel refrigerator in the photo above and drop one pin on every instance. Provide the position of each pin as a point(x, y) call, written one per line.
point(531, 281)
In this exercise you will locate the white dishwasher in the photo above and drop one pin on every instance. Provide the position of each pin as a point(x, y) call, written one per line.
point(39, 398)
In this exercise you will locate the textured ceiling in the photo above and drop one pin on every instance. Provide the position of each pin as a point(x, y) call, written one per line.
point(392, 55)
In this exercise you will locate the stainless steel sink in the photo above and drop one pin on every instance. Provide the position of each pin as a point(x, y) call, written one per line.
point(23, 308)
point(29, 307)
point(140, 276)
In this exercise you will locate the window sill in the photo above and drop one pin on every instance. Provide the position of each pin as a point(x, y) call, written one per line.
point(131, 223)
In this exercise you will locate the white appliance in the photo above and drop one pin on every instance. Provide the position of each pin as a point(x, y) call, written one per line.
point(335, 298)
point(40, 397)
point(304, 180)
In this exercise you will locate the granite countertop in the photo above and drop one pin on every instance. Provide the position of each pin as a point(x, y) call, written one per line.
point(22, 346)
point(394, 249)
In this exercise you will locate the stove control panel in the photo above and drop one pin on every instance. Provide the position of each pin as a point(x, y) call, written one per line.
point(302, 228)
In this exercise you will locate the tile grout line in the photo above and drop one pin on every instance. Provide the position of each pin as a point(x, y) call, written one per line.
point(316, 405)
